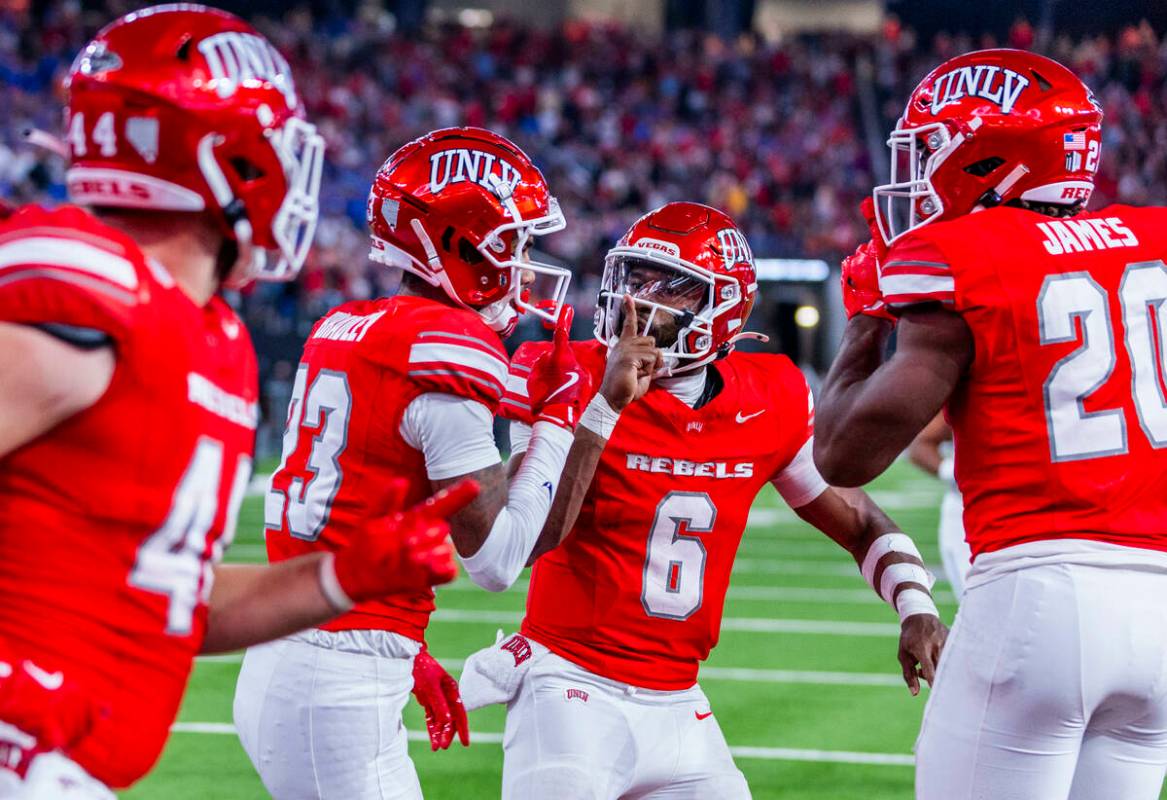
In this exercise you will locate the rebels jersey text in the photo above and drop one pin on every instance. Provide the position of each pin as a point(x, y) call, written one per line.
point(1061, 422)
point(110, 522)
point(362, 366)
point(636, 591)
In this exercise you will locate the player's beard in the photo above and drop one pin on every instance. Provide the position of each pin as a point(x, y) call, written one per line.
point(665, 326)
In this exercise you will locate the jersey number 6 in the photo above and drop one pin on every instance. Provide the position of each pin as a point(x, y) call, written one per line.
point(674, 568)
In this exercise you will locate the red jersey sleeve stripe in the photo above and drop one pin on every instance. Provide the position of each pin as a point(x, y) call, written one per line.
point(915, 265)
point(517, 387)
point(38, 253)
point(915, 284)
point(459, 355)
point(463, 340)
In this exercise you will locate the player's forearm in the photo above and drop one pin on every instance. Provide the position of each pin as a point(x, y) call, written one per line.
point(497, 561)
point(850, 517)
point(578, 472)
point(848, 414)
point(252, 603)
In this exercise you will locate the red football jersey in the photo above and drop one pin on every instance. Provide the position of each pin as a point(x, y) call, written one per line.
point(363, 364)
point(1061, 421)
point(110, 523)
point(636, 591)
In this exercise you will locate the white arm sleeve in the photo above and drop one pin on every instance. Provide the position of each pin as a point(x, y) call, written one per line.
point(520, 437)
point(799, 482)
point(455, 434)
point(503, 555)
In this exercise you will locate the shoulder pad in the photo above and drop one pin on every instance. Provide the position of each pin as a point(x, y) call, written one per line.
point(64, 267)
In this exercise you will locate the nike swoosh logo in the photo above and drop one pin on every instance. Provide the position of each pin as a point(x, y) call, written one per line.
point(706, 715)
point(744, 417)
point(50, 680)
point(572, 380)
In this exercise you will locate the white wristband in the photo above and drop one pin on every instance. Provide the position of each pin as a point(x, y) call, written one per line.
point(330, 585)
point(888, 543)
point(902, 572)
point(599, 417)
point(912, 601)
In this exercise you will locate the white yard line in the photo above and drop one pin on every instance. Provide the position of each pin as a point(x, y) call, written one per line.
point(763, 753)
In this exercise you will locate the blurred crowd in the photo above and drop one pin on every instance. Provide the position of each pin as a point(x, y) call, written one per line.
point(620, 122)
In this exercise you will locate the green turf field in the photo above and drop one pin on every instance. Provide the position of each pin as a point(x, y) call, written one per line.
point(814, 711)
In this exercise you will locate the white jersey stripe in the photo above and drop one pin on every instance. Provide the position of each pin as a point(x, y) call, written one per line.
point(892, 285)
point(456, 354)
point(46, 251)
point(517, 385)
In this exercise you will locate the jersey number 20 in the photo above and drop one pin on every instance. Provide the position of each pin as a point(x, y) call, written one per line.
point(1075, 433)
point(674, 568)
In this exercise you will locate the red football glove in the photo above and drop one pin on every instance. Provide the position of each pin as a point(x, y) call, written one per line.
point(437, 692)
point(402, 551)
point(867, 209)
point(43, 705)
point(558, 386)
point(860, 280)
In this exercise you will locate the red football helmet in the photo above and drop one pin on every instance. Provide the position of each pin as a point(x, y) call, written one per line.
point(185, 108)
point(986, 128)
point(459, 207)
point(692, 262)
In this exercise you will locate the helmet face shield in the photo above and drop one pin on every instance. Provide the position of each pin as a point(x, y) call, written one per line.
point(674, 304)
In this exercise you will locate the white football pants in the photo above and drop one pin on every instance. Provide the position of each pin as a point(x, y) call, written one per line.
point(955, 554)
point(1053, 685)
point(573, 735)
point(319, 715)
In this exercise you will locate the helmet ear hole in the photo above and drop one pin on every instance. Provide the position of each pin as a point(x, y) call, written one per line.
point(183, 51)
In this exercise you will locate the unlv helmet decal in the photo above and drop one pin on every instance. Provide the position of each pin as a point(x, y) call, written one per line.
point(459, 208)
point(186, 108)
point(987, 128)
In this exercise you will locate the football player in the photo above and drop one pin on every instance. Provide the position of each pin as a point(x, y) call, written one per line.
point(406, 387)
point(128, 402)
point(1039, 326)
point(931, 451)
point(601, 682)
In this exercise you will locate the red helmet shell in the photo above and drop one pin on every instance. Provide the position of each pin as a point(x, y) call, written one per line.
point(186, 108)
point(985, 128)
point(458, 207)
point(702, 242)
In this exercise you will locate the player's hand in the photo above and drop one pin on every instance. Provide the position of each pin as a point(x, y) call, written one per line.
point(631, 363)
point(45, 705)
point(860, 281)
point(558, 386)
point(437, 692)
point(922, 638)
point(399, 551)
